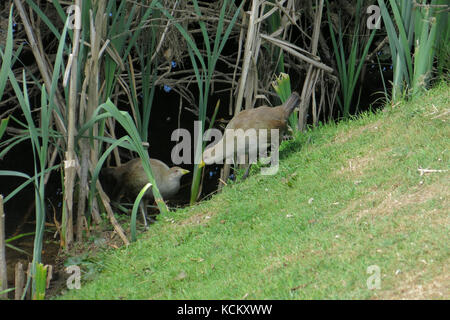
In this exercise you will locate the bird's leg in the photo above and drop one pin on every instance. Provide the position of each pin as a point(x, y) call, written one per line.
point(152, 219)
point(247, 171)
point(143, 206)
point(247, 163)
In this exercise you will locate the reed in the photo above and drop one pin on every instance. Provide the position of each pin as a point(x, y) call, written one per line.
point(413, 34)
point(282, 86)
point(349, 68)
point(40, 140)
point(41, 282)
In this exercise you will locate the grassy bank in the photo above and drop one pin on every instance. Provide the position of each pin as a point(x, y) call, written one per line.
point(346, 197)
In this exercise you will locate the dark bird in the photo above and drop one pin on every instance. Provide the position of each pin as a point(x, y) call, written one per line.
point(130, 178)
point(234, 142)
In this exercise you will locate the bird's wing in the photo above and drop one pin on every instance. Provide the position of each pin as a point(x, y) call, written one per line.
point(159, 169)
point(259, 118)
point(158, 164)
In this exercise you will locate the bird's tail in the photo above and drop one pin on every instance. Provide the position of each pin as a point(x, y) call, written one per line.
point(290, 104)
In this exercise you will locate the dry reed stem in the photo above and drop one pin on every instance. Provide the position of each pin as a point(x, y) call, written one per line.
point(112, 218)
point(42, 65)
point(248, 52)
point(3, 274)
point(313, 74)
point(71, 161)
point(19, 281)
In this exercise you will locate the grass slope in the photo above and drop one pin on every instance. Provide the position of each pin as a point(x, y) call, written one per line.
point(346, 197)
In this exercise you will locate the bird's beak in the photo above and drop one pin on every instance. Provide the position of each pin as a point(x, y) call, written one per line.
point(202, 164)
point(184, 171)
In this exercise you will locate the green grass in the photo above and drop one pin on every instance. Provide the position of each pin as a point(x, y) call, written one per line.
point(347, 196)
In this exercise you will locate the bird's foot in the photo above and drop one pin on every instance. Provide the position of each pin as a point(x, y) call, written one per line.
point(147, 222)
point(151, 220)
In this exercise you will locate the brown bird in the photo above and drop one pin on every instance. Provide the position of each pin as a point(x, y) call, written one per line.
point(130, 178)
point(234, 142)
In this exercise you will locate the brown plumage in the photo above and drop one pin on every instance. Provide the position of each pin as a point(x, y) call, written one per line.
point(130, 178)
point(259, 118)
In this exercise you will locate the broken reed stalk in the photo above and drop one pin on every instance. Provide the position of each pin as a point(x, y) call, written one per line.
point(3, 274)
point(19, 281)
point(49, 275)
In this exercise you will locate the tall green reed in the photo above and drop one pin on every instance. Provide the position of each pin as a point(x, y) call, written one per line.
point(40, 139)
point(413, 26)
point(126, 39)
point(349, 68)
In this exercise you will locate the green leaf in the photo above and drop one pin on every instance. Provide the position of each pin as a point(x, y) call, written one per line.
point(17, 249)
point(40, 279)
point(6, 56)
point(3, 126)
point(135, 208)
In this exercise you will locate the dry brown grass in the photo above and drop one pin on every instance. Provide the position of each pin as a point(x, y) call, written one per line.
point(200, 218)
point(394, 201)
point(356, 166)
point(345, 136)
point(412, 286)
